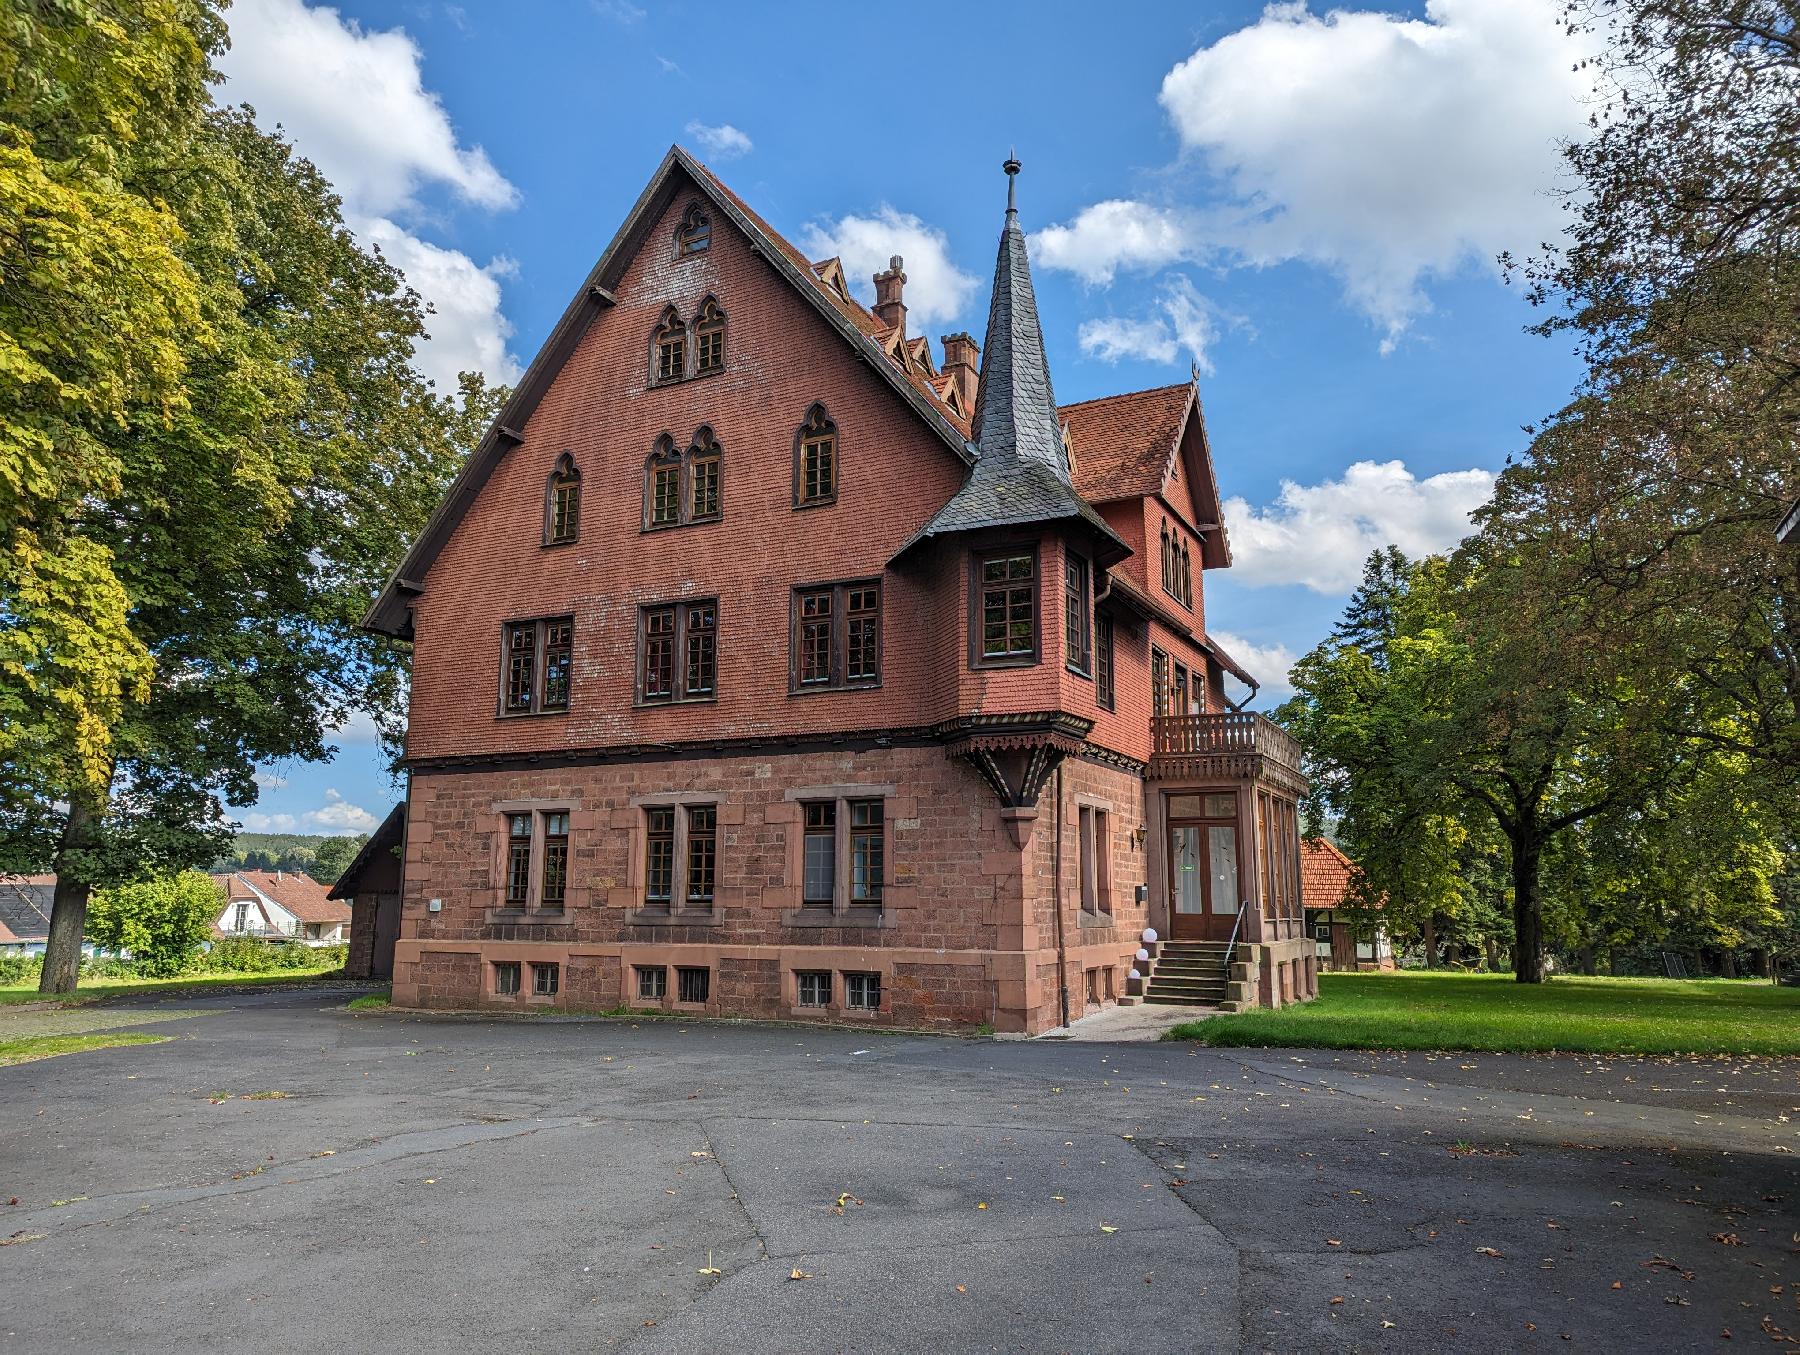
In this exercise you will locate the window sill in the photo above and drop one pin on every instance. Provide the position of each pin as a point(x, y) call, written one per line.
point(1096, 920)
point(800, 504)
point(565, 541)
point(860, 685)
point(1074, 671)
point(649, 527)
point(641, 704)
point(533, 915)
point(1020, 661)
point(831, 917)
point(530, 714)
point(663, 917)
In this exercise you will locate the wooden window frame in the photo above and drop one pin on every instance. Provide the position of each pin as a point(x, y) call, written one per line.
point(688, 828)
point(562, 529)
point(655, 835)
point(533, 859)
point(515, 971)
point(672, 333)
point(1159, 682)
point(1105, 659)
point(703, 447)
point(816, 979)
point(846, 904)
point(546, 978)
point(700, 858)
point(825, 829)
point(815, 429)
point(682, 689)
point(693, 233)
point(660, 985)
point(869, 982)
point(665, 459)
point(1078, 615)
point(664, 456)
point(978, 560)
point(1094, 859)
point(864, 893)
point(540, 628)
point(710, 319)
point(838, 623)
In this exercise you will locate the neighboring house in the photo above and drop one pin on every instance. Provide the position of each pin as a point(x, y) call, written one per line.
point(1788, 532)
point(371, 886)
point(1345, 938)
point(280, 905)
point(764, 665)
point(25, 913)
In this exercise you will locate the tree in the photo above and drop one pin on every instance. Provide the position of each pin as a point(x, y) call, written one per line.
point(161, 922)
point(238, 510)
point(334, 856)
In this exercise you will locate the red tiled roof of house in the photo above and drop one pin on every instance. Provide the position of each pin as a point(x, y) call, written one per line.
point(1325, 873)
point(1122, 443)
point(301, 895)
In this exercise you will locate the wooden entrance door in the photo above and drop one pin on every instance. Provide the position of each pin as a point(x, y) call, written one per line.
point(1204, 888)
point(387, 931)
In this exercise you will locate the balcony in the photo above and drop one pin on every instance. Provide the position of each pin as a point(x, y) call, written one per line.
point(1232, 745)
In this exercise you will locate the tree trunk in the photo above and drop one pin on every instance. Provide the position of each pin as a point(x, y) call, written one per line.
point(1528, 914)
point(1728, 962)
point(1612, 963)
point(1588, 965)
point(1430, 940)
point(68, 908)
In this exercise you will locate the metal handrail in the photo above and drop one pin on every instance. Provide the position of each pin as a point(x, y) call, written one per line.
point(1236, 927)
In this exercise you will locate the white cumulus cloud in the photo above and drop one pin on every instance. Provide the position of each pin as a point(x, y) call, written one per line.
point(1386, 150)
point(1268, 664)
point(338, 815)
point(937, 291)
point(355, 103)
point(1319, 535)
point(1184, 321)
point(723, 141)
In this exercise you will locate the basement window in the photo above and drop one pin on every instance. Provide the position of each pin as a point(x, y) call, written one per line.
point(545, 979)
point(814, 987)
point(862, 992)
point(506, 978)
point(652, 982)
point(693, 985)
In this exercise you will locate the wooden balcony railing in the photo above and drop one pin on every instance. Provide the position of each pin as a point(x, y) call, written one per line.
point(1242, 733)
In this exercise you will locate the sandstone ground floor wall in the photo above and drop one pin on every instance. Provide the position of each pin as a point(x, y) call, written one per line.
point(965, 935)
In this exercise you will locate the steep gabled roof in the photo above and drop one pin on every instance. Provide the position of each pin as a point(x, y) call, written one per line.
point(384, 839)
point(679, 171)
point(1021, 472)
point(25, 902)
point(1326, 874)
point(301, 895)
point(1124, 447)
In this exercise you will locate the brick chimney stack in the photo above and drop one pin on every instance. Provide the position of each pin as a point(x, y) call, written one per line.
point(889, 308)
point(962, 363)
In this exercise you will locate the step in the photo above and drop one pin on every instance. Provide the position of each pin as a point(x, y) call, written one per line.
point(1187, 989)
point(1162, 1001)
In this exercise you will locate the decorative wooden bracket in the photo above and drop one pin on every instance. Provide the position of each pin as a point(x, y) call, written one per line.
point(1015, 755)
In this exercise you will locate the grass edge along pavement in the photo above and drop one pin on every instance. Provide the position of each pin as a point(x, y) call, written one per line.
point(93, 990)
point(1431, 1010)
point(33, 1048)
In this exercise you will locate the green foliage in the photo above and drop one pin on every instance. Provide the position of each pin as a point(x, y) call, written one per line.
point(320, 855)
point(334, 855)
point(16, 969)
point(162, 923)
point(243, 955)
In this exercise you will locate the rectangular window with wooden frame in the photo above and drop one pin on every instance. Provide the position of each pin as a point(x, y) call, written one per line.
point(1094, 843)
point(836, 636)
point(1178, 690)
point(1005, 608)
point(506, 978)
point(1159, 681)
point(862, 992)
point(535, 860)
point(702, 854)
point(818, 885)
point(1104, 691)
point(867, 853)
point(537, 657)
point(555, 879)
point(1077, 616)
point(518, 860)
point(545, 979)
point(812, 987)
point(678, 652)
point(659, 857)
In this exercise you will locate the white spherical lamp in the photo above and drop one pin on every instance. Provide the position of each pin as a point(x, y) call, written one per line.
point(1143, 954)
point(1134, 975)
point(1149, 933)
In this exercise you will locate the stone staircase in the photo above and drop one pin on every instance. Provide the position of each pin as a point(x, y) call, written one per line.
point(1189, 974)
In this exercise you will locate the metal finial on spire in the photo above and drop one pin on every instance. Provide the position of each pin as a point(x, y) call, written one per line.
point(1012, 168)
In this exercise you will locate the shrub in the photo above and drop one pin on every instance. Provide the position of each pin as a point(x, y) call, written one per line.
point(247, 955)
point(18, 970)
point(162, 923)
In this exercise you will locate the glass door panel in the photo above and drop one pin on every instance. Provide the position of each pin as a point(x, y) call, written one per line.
point(1222, 884)
point(1186, 862)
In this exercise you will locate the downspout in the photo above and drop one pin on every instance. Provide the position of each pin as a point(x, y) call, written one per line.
point(1062, 948)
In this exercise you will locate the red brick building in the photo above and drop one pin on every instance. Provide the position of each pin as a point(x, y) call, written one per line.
point(764, 665)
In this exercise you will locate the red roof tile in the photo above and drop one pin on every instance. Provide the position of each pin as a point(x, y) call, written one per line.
point(1325, 873)
point(301, 895)
point(1123, 443)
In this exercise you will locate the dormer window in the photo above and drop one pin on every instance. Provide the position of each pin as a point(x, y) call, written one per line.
point(669, 348)
point(815, 459)
point(709, 339)
point(562, 503)
point(694, 236)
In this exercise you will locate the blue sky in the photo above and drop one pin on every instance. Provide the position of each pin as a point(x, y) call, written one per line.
point(1306, 202)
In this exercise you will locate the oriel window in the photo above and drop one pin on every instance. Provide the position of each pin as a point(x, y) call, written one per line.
point(1007, 606)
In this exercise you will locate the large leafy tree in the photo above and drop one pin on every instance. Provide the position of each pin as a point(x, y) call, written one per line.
point(244, 493)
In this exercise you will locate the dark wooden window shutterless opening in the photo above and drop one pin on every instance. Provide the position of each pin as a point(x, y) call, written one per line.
point(545, 979)
point(693, 984)
point(1159, 681)
point(556, 861)
point(705, 466)
point(836, 632)
point(1005, 606)
point(681, 488)
point(518, 860)
point(1178, 690)
point(815, 459)
point(694, 235)
point(678, 652)
point(668, 349)
point(702, 854)
point(537, 657)
point(862, 992)
point(819, 864)
point(813, 987)
point(562, 503)
point(659, 856)
point(652, 982)
point(1103, 663)
point(1168, 563)
point(867, 852)
point(709, 339)
point(506, 978)
point(662, 485)
point(1078, 630)
point(1095, 846)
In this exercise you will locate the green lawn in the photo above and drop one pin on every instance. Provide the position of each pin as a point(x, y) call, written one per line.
point(370, 1001)
point(93, 989)
point(1417, 1010)
point(49, 1046)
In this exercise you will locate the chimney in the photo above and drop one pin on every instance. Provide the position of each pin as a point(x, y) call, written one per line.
point(962, 363)
point(889, 308)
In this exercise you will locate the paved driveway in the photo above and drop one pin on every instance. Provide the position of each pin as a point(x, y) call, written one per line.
point(451, 1184)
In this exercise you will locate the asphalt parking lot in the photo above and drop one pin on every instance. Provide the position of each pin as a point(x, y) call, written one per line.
point(433, 1184)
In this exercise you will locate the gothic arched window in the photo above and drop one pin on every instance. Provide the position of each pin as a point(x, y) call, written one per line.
point(562, 503)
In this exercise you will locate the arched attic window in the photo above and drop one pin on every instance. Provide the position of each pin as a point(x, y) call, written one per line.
point(709, 338)
point(562, 502)
point(668, 349)
point(815, 459)
point(1187, 575)
point(694, 234)
point(662, 485)
point(706, 460)
point(1168, 563)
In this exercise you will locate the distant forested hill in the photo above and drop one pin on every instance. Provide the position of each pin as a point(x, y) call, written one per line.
point(320, 855)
